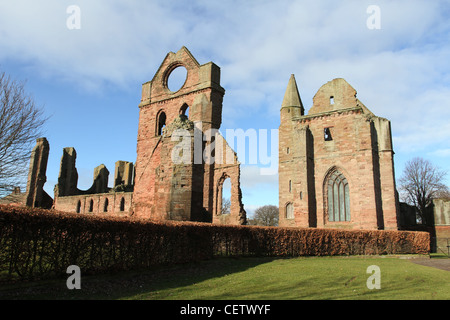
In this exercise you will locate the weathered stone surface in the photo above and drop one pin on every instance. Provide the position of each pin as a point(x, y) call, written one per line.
point(123, 174)
point(188, 190)
point(159, 187)
point(35, 194)
point(100, 184)
point(68, 175)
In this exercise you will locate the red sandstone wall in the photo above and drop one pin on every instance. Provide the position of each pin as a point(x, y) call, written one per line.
point(360, 148)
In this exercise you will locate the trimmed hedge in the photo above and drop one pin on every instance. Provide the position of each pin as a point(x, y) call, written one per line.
point(41, 243)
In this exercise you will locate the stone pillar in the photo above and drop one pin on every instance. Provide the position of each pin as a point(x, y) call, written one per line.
point(100, 184)
point(37, 173)
point(123, 174)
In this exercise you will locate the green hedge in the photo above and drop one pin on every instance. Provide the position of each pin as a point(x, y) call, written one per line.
point(41, 243)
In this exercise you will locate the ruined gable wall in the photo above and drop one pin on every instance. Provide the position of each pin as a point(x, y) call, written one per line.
point(154, 164)
point(164, 189)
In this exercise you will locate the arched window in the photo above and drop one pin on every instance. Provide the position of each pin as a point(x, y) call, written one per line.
point(105, 205)
point(79, 206)
point(289, 211)
point(91, 205)
point(161, 123)
point(184, 110)
point(338, 197)
point(122, 204)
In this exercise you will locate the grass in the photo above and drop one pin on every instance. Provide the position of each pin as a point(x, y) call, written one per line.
point(304, 278)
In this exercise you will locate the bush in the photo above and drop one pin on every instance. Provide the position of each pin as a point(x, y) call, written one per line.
point(42, 243)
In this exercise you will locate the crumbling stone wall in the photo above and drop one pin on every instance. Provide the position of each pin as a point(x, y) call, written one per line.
point(99, 198)
point(162, 185)
point(441, 222)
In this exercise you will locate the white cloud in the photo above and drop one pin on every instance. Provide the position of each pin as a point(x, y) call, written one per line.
point(251, 177)
point(254, 41)
point(115, 44)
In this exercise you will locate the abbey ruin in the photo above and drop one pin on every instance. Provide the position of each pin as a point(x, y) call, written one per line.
point(336, 163)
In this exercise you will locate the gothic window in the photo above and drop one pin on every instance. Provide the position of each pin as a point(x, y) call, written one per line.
point(105, 206)
point(79, 206)
point(338, 197)
point(289, 211)
point(161, 123)
point(91, 205)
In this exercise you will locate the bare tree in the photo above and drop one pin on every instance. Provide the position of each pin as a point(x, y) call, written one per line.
point(420, 183)
point(21, 123)
point(266, 216)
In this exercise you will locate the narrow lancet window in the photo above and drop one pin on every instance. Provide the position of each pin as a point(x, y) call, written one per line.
point(161, 124)
point(338, 197)
point(122, 204)
point(105, 205)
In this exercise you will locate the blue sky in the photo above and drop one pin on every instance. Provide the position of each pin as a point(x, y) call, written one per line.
point(89, 79)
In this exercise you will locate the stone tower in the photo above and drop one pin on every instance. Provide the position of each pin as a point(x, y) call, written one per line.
point(36, 197)
point(166, 189)
point(336, 163)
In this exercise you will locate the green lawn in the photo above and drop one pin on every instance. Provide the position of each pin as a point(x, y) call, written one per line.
point(256, 278)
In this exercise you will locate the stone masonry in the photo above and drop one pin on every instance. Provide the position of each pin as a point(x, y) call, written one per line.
point(335, 163)
point(190, 190)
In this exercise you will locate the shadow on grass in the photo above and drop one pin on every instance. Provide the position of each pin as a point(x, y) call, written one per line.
point(307, 278)
point(123, 285)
